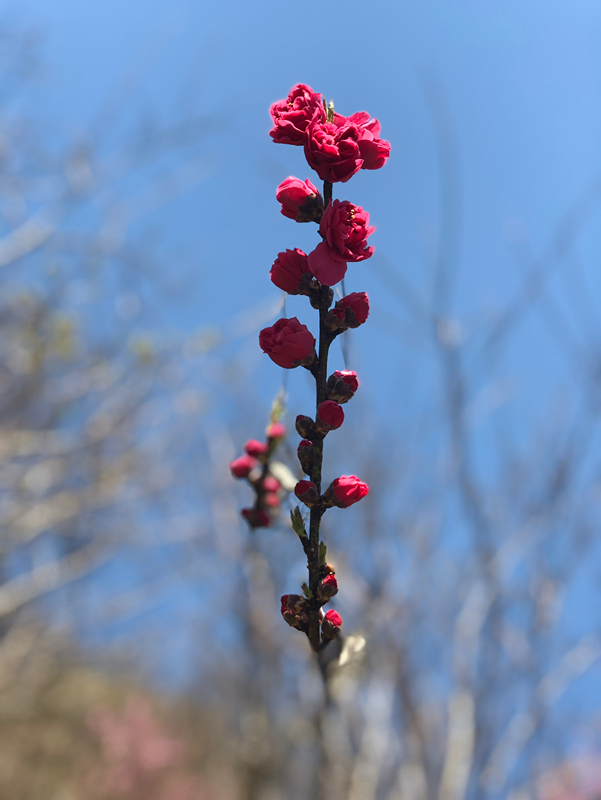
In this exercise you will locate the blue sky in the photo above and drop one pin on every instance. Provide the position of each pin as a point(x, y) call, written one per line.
point(521, 82)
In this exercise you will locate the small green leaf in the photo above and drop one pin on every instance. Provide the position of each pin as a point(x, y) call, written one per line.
point(298, 525)
point(306, 591)
point(323, 551)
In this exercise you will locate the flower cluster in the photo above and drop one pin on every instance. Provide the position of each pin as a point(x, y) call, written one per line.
point(254, 467)
point(336, 147)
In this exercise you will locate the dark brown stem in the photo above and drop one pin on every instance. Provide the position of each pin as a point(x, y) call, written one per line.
point(327, 193)
point(320, 374)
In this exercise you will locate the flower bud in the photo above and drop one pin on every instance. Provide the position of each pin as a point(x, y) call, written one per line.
point(301, 201)
point(270, 484)
point(305, 427)
point(305, 455)
point(345, 491)
point(330, 416)
point(276, 430)
point(288, 343)
point(256, 517)
point(255, 448)
point(307, 493)
point(349, 312)
point(271, 499)
point(342, 385)
point(241, 467)
point(331, 624)
point(294, 611)
point(327, 588)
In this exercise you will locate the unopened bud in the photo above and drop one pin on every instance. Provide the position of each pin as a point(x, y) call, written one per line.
point(305, 455)
point(349, 312)
point(327, 588)
point(331, 624)
point(294, 611)
point(305, 427)
point(241, 467)
point(345, 491)
point(330, 416)
point(255, 448)
point(271, 499)
point(342, 385)
point(256, 517)
point(276, 430)
point(270, 484)
point(307, 493)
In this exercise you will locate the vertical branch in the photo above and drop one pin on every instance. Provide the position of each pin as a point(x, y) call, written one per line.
point(321, 377)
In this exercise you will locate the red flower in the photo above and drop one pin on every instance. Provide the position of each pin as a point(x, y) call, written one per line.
point(255, 448)
point(307, 493)
point(345, 491)
point(292, 115)
point(290, 271)
point(344, 228)
point(337, 150)
point(342, 385)
point(301, 201)
point(332, 148)
point(374, 151)
point(330, 415)
point(256, 517)
point(241, 467)
point(287, 343)
point(331, 624)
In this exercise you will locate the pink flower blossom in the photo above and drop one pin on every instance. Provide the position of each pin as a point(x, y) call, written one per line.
point(301, 201)
point(287, 343)
point(290, 271)
point(337, 150)
point(292, 115)
point(374, 151)
point(344, 228)
point(332, 150)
